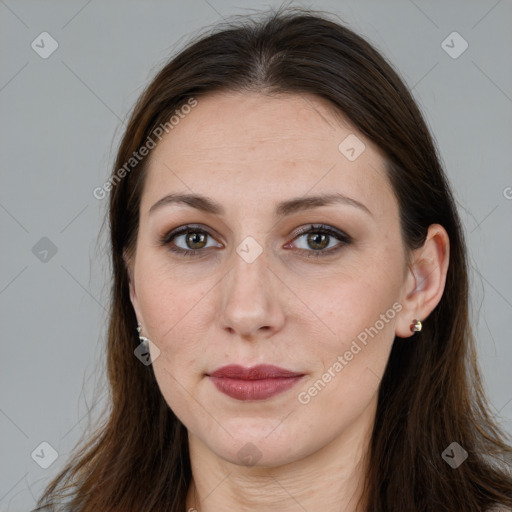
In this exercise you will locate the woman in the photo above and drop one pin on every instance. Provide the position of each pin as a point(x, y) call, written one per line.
point(289, 323)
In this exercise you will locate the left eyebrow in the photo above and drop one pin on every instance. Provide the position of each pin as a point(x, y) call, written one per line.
point(305, 203)
point(283, 209)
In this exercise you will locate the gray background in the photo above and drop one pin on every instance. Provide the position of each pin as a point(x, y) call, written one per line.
point(62, 117)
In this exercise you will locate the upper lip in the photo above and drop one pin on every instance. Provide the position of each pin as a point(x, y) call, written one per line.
point(258, 372)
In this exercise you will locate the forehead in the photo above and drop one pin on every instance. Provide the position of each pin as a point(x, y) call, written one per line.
point(266, 148)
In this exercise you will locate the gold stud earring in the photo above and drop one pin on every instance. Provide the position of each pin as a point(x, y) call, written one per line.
point(416, 326)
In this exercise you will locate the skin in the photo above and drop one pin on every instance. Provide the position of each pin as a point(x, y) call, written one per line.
point(249, 152)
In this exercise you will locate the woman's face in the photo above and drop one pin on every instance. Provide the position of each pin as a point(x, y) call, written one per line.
point(255, 282)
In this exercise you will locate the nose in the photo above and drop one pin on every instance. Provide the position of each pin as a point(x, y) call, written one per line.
point(250, 299)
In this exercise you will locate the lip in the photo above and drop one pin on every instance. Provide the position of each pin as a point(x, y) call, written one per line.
point(255, 383)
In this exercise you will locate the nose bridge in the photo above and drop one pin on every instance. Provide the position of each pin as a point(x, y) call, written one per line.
point(249, 301)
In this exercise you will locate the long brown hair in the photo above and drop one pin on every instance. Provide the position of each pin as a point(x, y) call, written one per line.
point(431, 394)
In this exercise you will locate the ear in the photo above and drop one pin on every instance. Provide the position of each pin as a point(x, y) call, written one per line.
point(425, 281)
point(130, 264)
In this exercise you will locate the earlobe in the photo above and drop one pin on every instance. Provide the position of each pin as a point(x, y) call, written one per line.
point(425, 281)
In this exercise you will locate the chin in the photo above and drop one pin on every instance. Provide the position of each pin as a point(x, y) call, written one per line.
point(256, 450)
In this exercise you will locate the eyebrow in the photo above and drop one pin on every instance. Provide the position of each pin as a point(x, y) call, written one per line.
point(283, 209)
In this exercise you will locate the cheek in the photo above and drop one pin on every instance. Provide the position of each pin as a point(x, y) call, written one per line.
point(171, 309)
point(167, 302)
point(349, 303)
point(358, 309)
point(351, 372)
point(179, 367)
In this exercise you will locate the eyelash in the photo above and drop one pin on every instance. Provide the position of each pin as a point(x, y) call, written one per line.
point(317, 229)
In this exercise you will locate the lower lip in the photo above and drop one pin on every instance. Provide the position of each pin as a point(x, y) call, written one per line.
point(254, 389)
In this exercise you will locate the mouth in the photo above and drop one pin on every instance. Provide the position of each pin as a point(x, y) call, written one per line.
point(256, 383)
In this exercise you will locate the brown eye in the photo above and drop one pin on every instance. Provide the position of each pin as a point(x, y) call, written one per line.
point(320, 241)
point(188, 241)
point(195, 240)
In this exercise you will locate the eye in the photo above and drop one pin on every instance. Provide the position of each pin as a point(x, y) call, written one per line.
point(319, 240)
point(187, 240)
